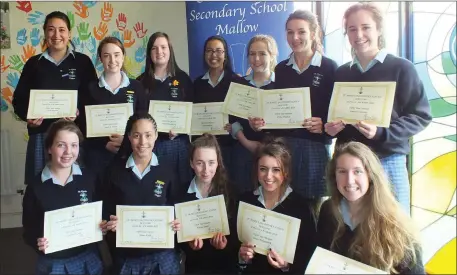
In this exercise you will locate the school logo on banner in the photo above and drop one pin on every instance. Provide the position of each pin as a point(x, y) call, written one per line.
point(158, 188)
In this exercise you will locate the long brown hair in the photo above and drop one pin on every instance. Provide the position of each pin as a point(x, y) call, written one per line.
point(111, 40)
point(386, 235)
point(314, 26)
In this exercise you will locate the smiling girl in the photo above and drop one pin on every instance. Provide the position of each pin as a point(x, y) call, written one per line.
point(362, 207)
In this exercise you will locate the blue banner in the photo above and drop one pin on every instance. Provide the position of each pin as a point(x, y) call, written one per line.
point(237, 22)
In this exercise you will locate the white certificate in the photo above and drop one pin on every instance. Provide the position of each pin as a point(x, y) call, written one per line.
point(108, 119)
point(285, 108)
point(202, 218)
point(52, 104)
point(371, 102)
point(326, 262)
point(172, 115)
point(73, 226)
point(268, 229)
point(144, 226)
point(241, 101)
point(208, 118)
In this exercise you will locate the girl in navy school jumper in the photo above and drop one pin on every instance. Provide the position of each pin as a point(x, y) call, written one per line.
point(58, 68)
point(273, 162)
point(411, 109)
point(307, 67)
point(262, 52)
point(62, 183)
point(139, 178)
point(362, 220)
point(218, 254)
point(113, 87)
point(164, 80)
point(214, 84)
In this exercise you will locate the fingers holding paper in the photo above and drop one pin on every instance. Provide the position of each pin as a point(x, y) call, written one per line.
point(112, 224)
point(256, 123)
point(42, 244)
point(368, 130)
point(247, 251)
point(313, 124)
point(196, 244)
point(176, 225)
point(219, 241)
point(334, 127)
point(275, 260)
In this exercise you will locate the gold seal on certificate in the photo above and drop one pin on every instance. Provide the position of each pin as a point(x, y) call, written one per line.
point(108, 119)
point(52, 104)
point(285, 108)
point(171, 115)
point(267, 229)
point(202, 218)
point(73, 226)
point(241, 101)
point(144, 226)
point(371, 102)
point(327, 262)
point(208, 118)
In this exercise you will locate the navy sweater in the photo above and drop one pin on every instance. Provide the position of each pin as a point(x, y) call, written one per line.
point(121, 186)
point(97, 95)
point(295, 206)
point(74, 73)
point(320, 81)
point(326, 229)
point(411, 109)
point(41, 197)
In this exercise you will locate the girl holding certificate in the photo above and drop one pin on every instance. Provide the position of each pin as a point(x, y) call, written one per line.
point(362, 220)
point(306, 67)
point(262, 52)
point(214, 84)
point(411, 110)
point(213, 255)
point(139, 178)
point(59, 67)
point(112, 87)
point(62, 183)
point(164, 80)
point(273, 163)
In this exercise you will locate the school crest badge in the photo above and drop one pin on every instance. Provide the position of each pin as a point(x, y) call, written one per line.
point(130, 96)
point(317, 77)
point(158, 188)
point(83, 196)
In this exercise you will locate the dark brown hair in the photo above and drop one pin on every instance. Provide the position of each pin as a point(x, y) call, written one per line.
point(311, 18)
point(55, 128)
point(111, 40)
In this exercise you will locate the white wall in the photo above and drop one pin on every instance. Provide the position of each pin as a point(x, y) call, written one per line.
point(169, 17)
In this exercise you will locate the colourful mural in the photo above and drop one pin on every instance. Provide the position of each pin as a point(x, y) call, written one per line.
point(434, 150)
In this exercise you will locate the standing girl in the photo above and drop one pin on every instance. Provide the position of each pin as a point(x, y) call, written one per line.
point(363, 22)
point(138, 178)
point(62, 183)
point(58, 68)
point(113, 87)
point(213, 255)
point(164, 80)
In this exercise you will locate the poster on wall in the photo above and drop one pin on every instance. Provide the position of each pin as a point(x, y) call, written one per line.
point(237, 22)
point(5, 36)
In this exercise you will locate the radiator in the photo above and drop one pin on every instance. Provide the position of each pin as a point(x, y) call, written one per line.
point(7, 185)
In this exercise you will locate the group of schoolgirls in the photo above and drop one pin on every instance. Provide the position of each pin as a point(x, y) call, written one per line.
point(285, 171)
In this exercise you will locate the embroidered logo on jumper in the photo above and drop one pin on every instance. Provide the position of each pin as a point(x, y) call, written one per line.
point(317, 79)
point(158, 188)
point(130, 96)
point(72, 74)
point(174, 91)
point(83, 196)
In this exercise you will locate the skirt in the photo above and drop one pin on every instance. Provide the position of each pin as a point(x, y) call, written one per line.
point(163, 262)
point(88, 262)
point(241, 171)
point(396, 170)
point(35, 159)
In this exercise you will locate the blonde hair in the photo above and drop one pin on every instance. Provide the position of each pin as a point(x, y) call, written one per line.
point(376, 14)
point(386, 235)
point(314, 26)
point(272, 47)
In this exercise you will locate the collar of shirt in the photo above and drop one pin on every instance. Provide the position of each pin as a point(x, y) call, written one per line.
point(48, 57)
point(315, 61)
point(250, 78)
point(193, 189)
point(259, 192)
point(162, 79)
point(206, 76)
point(124, 83)
point(380, 57)
point(346, 215)
point(131, 163)
point(46, 174)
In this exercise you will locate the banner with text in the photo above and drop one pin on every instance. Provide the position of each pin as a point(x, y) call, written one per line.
point(237, 22)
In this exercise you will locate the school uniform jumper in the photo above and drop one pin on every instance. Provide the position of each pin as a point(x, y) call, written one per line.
point(44, 194)
point(410, 115)
point(176, 151)
point(123, 184)
point(294, 205)
point(42, 72)
point(243, 159)
point(309, 150)
point(326, 229)
point(96, 156)
point(209, 260)
point(206, 91)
